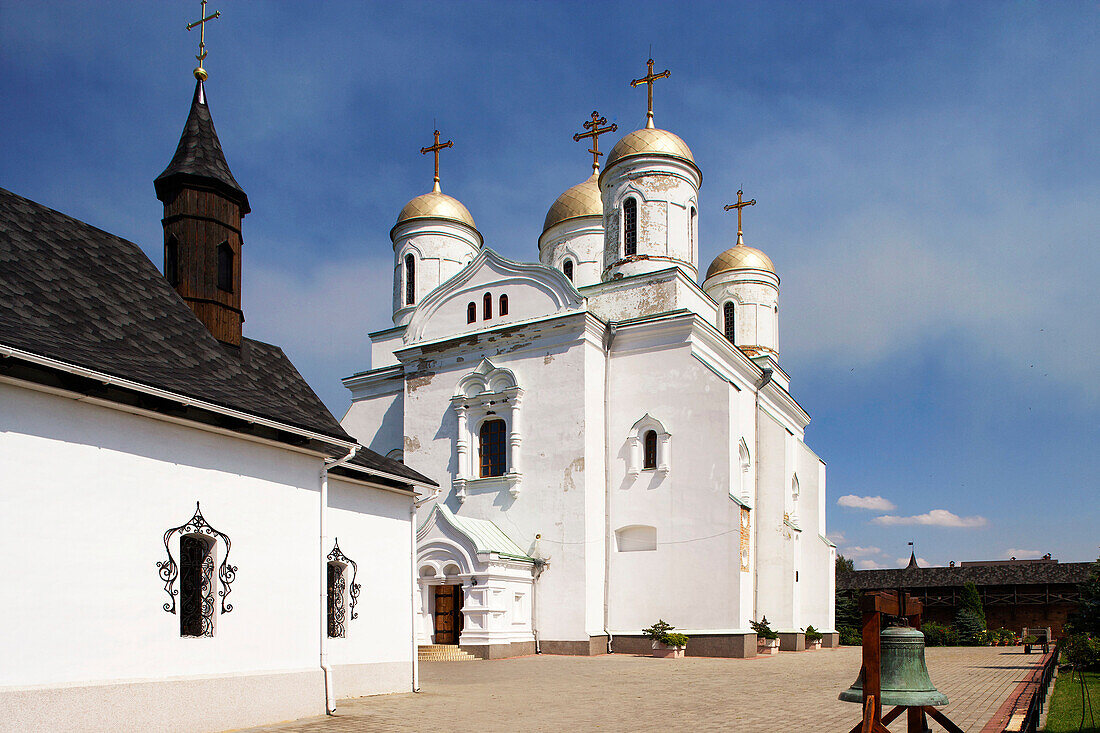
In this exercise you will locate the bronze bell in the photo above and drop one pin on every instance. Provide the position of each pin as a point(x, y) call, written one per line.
point(904, 677)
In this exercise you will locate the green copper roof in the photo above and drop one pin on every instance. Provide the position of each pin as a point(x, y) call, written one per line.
point(485, 536)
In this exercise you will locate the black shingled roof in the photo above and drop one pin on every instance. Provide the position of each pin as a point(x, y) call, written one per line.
point(79, 295)
point(199, 158)
point(1006, 574)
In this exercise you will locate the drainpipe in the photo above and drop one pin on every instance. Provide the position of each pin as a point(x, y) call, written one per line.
point(416, 504)
point(608, 340)
point(765, 378)
point(330, 692)
point(536, 572)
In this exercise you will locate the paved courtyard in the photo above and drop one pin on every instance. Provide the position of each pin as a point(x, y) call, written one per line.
point(791, 691)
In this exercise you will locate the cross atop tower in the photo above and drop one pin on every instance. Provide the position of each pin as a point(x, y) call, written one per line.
point(594, 132)
point(200, 73)
point(648, 80)
point(739, 205)
point(435, 149)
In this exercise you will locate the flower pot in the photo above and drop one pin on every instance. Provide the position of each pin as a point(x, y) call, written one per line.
point(814, 644)
point(767, 646)
point(663, 651)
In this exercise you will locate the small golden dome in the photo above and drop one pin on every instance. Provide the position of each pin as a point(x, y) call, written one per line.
point(436, 205)
point(650, 141)
point(580, 200)
point(740, 257)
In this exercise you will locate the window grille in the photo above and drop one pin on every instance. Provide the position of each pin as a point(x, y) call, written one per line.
point(336, 587)
point(650, 459)
point(567, 268)
point(487, 306)
point(492, 442)
point(225, 267)
point(630, 227)
point(728, 321)
point(196, 587)
point(471, 312)
point(410, 279)
point(504, 305)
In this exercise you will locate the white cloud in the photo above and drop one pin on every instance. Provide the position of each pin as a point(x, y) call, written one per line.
point(837, 538)
point(857, 551)
point(903, 561)
point(934, 518)
point(1022, 554)
point(869, 565)
point(875, 503)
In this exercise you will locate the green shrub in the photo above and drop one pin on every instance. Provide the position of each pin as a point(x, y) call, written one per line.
point(763, 631)
point(1082, 651)
point(970, 600)
point(813, 634)
point(1087, 618)
point(675, 640)
point(850, 636)
point(661, 633)
point(970, 628)
point(938, 635)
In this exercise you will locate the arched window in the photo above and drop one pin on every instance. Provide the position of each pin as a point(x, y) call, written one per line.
point(728, 322)
point(410, 279)
point(504, 305)
point(567, 268)
point(196, 586)
point(225, 267)
point(171, 261)
point(630, 227)
point(337, 585)
point(491, 441)
point(471, 312)
point(487, 306)
point(691, 232)
point(649, 460)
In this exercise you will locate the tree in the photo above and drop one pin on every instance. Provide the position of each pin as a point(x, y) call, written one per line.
point(970, 618)
point(848, 621)
point(844, 565)
point(1086, 620)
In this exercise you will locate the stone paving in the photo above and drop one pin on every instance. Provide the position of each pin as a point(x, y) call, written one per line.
point(793, 691)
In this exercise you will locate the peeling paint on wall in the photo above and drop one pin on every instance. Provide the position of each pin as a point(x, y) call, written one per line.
point(576, 466)
point(412, 444)
point(415, 383)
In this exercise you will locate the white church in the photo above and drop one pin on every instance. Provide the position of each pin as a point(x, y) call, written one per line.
point(614, 435)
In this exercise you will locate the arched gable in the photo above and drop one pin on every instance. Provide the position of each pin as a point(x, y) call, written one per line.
point(534, 290)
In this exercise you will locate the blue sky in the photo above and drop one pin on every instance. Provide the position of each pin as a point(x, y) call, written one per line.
point(927, 177)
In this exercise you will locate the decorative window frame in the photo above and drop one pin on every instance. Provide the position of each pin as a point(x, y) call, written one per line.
point(637, 199)
point(744, 463)
point(664, 446)
point(569, 268)
point(796, 492)
point(337, 557)
point(488, 392)
point(169, 570)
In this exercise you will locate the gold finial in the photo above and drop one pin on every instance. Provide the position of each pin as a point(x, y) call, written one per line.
point(435, 149)
point(739, 205)
point(648, 80)
point(594, 132)
point(200, 73)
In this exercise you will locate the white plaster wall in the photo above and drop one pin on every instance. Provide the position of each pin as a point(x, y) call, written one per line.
point(377, 420)
point(755, 298)
point(649, 294)
point(89, 493)
point(818, 556)
point(382, 346)
point(774, 539)
point(580, 240)
point(693, 578)
point(441, 249)
point(373, 529)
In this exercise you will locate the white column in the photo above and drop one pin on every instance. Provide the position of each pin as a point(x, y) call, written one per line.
point(515, 436)
point(462, 446)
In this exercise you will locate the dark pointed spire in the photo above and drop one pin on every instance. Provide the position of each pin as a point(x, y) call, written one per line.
point(912, 561)
point(199, 161)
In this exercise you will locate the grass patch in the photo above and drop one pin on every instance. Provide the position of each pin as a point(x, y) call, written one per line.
point(1066, 703)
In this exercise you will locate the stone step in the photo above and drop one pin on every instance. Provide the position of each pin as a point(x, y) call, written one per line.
point(443, 653)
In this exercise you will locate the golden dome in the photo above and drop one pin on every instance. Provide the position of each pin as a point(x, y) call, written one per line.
point(436, 205)
point(580, 200)
point(740, 257)
point(650, 141)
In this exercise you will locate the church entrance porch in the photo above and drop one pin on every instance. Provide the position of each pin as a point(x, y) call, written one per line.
point(448, 613)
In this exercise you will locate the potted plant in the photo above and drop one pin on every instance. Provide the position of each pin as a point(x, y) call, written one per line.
point(767, 640)
point(1028, 641)
point(665, 643)
point(813, 638)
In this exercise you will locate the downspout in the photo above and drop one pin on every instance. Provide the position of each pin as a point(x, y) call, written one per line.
point(416, 504)
point(765, 378)
point(608, 340)
point(330, 692)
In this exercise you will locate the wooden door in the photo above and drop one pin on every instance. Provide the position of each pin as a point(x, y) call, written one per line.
point(448, 613)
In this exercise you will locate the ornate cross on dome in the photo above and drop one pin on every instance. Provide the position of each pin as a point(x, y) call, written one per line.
point(739, 205)
point(648, 80)
point(594, 132)
point(435, 149)
point(200, 73)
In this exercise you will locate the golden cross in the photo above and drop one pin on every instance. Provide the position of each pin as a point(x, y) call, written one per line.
point(739, 206)
point(435, 149)
point(594, 132)
point(648, 80)
point(200, 73)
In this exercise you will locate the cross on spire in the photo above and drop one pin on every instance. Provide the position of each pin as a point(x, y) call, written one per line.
point(435, 149)
point(739, 206)
point(594, 132)
point(648, 80)
point(200, 73)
